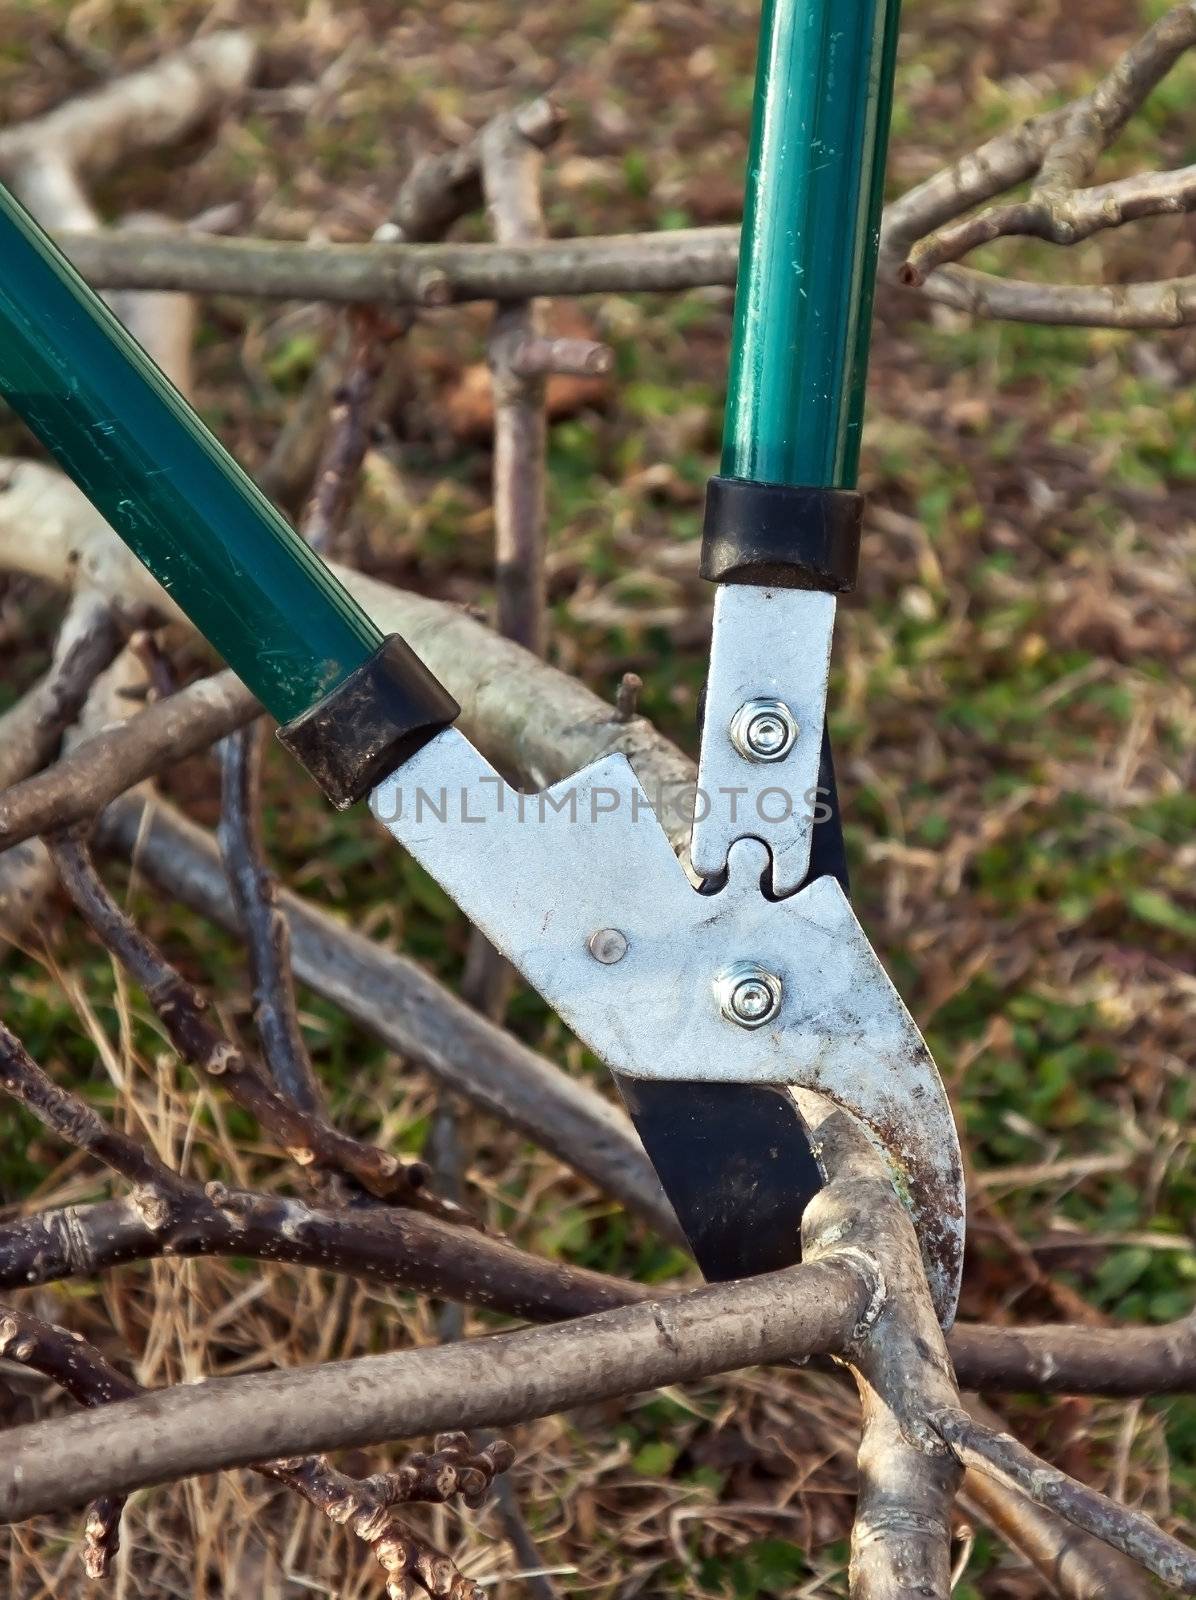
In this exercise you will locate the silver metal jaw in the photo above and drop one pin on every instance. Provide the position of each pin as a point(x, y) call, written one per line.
point(580, 889)
point(770, 654)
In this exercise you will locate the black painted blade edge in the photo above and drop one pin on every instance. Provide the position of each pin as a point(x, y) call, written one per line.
point(735, 1161)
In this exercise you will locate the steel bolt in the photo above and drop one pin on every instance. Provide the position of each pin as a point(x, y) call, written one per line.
point(748, 995)
point(608, 945)
point(764, 730)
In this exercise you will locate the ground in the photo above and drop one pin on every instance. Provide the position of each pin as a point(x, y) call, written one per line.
point(1012, 706)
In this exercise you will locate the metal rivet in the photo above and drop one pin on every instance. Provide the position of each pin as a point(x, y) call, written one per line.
point(608, 945)
point(748, 995)
point(764, 730)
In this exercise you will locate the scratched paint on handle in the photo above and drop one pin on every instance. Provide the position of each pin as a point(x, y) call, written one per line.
point(148, 464)
point(807, 263)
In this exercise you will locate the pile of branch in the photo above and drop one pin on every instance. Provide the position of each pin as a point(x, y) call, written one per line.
point(77, 772)
point(922, 241)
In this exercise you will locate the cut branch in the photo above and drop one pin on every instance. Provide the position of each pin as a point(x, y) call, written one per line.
point(1061, 147)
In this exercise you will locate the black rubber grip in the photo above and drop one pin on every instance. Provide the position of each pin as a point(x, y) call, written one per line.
point(371, 723)
point(781, 537)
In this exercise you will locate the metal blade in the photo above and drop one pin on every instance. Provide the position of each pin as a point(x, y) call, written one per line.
point(580, 889)
point(735, 1162)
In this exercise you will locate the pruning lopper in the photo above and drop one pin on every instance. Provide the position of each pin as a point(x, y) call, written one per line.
point(712, 993)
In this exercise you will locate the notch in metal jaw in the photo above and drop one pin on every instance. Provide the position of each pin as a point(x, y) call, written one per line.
point(770, 655)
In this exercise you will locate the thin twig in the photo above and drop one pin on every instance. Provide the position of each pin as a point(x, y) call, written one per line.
point(253, 882)
point(454, 1469)
point(254, 889)
point(1130, 1531)
point(79, 1369)
point(366, 1505)
point(183, 1012)
point(66, 1115)
point(348, 435)
point(511, 183)
point(31, 731)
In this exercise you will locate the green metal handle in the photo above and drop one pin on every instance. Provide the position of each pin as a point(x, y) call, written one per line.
point(807, 259)
point(169, 488)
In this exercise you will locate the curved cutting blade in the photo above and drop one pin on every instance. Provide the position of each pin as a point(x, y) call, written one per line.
point(735, 1160)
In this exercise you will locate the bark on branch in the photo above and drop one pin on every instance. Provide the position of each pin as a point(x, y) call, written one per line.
point(1063, 151)
point(1000, 1455)
point(306, 1136)
point(224, 1422)
point(454, 1469)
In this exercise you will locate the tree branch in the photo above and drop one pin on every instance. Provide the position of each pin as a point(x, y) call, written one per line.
point(31, 731)
point(1064, 1359)
point(409, 275)
point(79, 1369)
point(441, 188)
point(366, 1504)
point(511, 167)
point(401, 1249)
point(85, 1129)
point(254, 885)
point(1063, 150)
point(82, 782)
point(901, 1538)
point(454, 1469)
point(1076, 1565)
point(224, 1422)
point(306, 1136)
point(45, 162)
point(1130, 1531)
point(142, 111)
